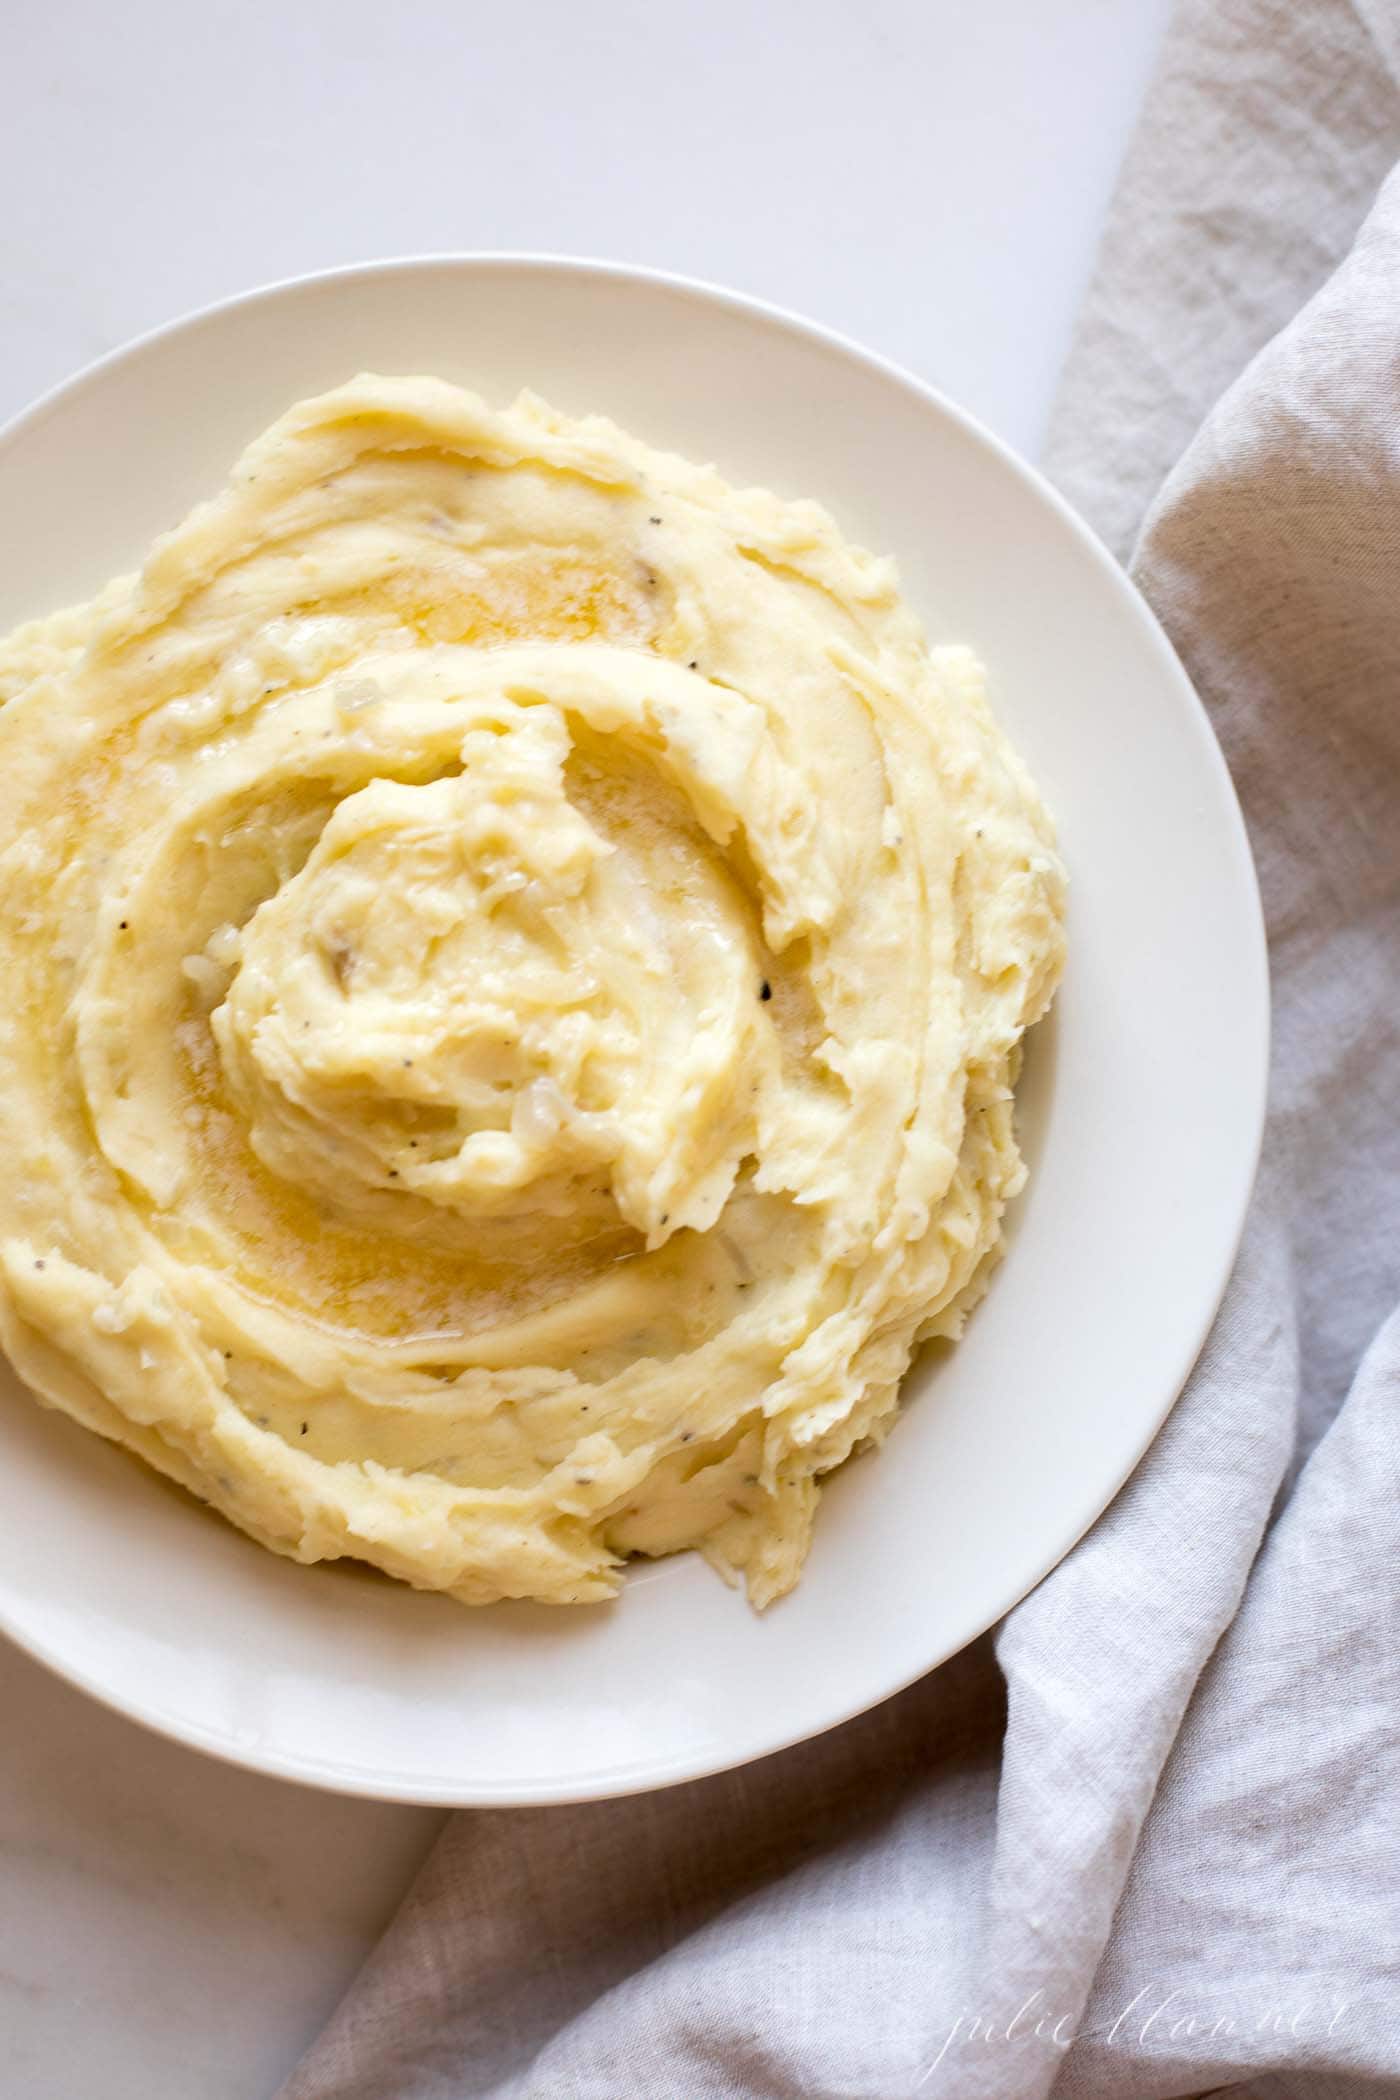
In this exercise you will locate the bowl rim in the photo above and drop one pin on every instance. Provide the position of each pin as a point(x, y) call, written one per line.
point(308, 1771)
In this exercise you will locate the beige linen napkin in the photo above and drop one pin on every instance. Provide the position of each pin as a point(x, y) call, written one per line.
point(1146, 1843)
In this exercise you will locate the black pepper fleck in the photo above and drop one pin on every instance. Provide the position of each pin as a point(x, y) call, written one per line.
point(39, 1263)
point(656, 521)
point(122, 925)
point(304, 1427)
point(765, 990)
point(687, 1436)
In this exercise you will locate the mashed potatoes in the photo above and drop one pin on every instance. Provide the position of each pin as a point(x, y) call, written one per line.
point(512, 968)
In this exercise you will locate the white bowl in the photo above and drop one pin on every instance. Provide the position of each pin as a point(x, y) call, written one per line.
point(1141, 1108)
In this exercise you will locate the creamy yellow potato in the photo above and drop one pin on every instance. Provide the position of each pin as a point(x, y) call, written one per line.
point(513, 960)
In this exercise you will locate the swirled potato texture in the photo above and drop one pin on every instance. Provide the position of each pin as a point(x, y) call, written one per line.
point(514, 958)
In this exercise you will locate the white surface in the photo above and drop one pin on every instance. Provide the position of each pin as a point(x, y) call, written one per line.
point(169, 1926)
point(1140, 1120)
point(929, 177)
